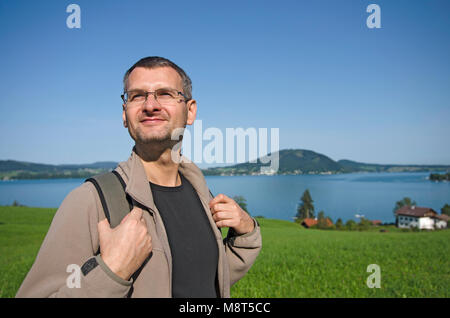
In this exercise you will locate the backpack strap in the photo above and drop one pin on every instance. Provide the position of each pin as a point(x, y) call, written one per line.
point(111, 190)
point(116, 204)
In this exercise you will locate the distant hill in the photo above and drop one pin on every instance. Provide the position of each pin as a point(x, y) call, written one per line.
point(300, 161)
point(11, 169)
point(352, 166)
point(291, 161)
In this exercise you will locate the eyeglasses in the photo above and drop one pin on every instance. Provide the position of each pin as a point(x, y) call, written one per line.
point(164, 96)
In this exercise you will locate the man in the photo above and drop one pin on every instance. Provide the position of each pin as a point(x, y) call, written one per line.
point(170, 244)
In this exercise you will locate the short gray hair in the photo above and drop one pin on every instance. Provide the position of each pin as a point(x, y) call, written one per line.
point(156, 61)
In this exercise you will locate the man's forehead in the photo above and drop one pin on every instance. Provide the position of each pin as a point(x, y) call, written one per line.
point(142, 77)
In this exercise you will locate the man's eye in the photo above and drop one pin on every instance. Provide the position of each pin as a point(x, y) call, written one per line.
point(164, 94)
point(137, 96)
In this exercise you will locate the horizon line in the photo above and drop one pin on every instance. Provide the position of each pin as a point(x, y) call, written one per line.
point(232, 164)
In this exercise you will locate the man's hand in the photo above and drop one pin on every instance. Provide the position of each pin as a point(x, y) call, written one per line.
point(125, 247)
point(227, 213)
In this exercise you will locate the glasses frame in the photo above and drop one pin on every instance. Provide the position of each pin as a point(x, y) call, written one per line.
point(153, 93)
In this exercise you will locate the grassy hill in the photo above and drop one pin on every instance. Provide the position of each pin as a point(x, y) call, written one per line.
point(294, 262)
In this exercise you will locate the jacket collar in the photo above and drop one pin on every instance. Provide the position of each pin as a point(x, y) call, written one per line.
point(138, 187)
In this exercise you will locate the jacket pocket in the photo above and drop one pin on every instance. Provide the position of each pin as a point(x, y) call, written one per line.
point(153, 279)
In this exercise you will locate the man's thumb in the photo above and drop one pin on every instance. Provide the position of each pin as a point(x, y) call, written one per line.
point(103, 226)
point(136, 213)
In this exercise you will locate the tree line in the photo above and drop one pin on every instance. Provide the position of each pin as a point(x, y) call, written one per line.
point(440, 177)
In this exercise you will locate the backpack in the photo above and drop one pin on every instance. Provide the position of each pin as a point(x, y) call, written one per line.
point(116, 203)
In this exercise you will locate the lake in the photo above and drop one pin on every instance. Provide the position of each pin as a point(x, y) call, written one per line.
point(339, 196)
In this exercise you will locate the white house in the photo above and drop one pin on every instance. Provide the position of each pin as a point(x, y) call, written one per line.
point(441, 221)
point(419, 217)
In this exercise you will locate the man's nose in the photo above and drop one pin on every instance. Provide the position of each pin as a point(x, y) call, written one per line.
point(151, 103)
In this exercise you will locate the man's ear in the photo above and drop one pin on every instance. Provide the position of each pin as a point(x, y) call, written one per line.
point(192, 111)
point(124, 116)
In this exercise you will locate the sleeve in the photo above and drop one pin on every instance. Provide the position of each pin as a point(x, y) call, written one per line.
point(66, 265)
point(241, 251)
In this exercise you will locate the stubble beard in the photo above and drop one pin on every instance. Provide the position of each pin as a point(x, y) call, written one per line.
point(145, 139)
point(163, 137)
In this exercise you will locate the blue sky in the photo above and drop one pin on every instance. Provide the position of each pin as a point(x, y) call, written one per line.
point(310, 68)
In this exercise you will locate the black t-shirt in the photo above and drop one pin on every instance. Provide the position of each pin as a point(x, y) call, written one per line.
point(191, 238)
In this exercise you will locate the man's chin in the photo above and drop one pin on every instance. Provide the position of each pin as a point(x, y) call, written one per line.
point(146, 137)
point(153, 138)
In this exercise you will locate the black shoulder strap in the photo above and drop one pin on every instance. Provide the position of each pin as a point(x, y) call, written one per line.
point(111, 191)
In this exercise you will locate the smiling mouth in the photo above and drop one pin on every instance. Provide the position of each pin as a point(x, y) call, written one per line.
point(152, 120)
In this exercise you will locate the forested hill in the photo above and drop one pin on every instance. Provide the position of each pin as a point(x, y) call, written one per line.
point(11, 169)
point(300, 161)
point(352, 166)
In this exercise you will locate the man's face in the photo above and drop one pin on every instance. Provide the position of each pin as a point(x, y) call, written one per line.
point(151, 122)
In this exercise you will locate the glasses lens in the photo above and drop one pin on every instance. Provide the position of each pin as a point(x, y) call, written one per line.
point(166, 96)
point(136, 96)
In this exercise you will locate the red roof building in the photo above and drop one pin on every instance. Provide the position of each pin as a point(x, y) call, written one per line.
point(309, 222)
point(416, 211)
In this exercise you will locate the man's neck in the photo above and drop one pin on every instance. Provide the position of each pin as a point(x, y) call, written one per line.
point(158, 164)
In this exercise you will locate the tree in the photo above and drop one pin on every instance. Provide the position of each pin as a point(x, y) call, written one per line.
point(446, 209)
point(306, 207)
point(364, 224)
point(321, 215)
point(241, 201)
point(321, 221)
point(351, 225)
point(339, 224)
point(404, 202)
point(439, 177)
point(16, 203)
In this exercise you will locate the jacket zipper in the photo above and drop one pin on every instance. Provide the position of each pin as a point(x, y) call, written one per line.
point(155, 219)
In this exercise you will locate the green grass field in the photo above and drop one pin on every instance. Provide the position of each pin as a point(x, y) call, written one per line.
point(294, 262)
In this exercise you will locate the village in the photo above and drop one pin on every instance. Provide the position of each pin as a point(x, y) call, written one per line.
point(408, 216)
